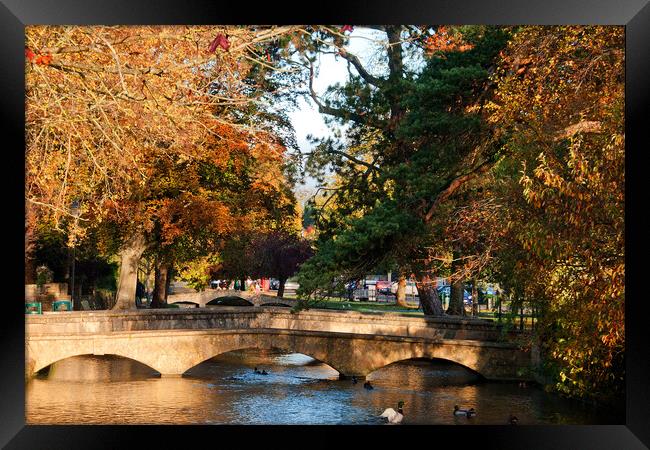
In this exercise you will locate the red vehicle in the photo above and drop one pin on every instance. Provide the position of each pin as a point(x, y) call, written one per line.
point(383, 287)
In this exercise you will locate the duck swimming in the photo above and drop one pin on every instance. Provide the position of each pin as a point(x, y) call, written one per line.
point(257, 371)
point(393, 416)
point(367, 385)
point(264, 372)
point(354, 379)
point(464, 412)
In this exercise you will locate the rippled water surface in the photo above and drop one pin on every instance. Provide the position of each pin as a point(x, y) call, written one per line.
point(297, 390)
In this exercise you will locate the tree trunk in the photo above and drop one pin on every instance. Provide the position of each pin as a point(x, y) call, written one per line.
point(30, 262)
point(395, 74)
point(129, 257)
point(168, 280)
point(456, 306)
point(429, 297)
point(242, 284)
point(283, 281)
point(474, 299)
point(400, 295)
point(159, 297)
point(30, 270)
point(499, 302)
point(148, 268)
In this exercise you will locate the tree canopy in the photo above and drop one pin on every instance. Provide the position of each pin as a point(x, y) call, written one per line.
point(469, 152)
point(165, 136)
point(413, 140)
point(501, 156)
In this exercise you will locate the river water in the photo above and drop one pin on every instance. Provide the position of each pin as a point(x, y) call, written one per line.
point(297, 390)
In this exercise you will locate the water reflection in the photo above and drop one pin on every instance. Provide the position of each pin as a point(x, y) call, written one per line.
point(297, 390)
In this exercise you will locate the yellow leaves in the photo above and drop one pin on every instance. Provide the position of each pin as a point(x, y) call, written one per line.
point(574, 207)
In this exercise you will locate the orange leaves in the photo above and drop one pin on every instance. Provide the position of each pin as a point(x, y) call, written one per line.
point(43, 60)
point(146, 91)
point(446, 39)
point(192, 215)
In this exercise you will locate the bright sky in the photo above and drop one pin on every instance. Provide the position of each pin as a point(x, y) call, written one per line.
point(331, 70)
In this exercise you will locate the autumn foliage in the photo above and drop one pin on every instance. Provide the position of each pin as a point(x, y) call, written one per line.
point(446, 39)
point(501, 158)
point(155, 134)
point(560, 107)
point(102, 101)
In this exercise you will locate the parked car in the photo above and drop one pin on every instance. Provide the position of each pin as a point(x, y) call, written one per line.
point(446, 291)
point(383, 287)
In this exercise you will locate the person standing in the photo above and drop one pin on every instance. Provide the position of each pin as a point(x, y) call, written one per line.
point(140, 294)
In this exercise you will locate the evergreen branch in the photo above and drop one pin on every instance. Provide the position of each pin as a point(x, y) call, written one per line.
point(361, 119)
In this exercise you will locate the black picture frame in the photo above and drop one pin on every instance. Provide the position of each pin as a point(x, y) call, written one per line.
point(634, 14)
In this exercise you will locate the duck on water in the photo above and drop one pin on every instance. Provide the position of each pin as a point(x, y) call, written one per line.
point(393, 416)
point(464, 412)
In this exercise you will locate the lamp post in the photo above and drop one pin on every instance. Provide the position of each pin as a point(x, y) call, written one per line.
point(74, 210)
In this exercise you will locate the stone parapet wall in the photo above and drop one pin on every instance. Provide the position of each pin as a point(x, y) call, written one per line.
point(385, 324)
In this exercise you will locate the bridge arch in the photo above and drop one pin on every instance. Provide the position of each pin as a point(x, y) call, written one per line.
point(427, 359)
point(287, 343)
point(37, 366)
point(275, 347)
point(470, 357)
point(231, 300)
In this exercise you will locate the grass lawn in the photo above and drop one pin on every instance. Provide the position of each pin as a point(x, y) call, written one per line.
point(334, 303)
point(346, 305)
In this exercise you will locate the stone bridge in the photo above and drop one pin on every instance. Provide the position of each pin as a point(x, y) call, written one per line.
point(172, 341)
point(202, 298)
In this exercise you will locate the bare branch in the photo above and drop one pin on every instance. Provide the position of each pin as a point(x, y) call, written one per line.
point(61, 210)
point(585, 126)
point(371, 79)
point(453, 185)
point(78, 67)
